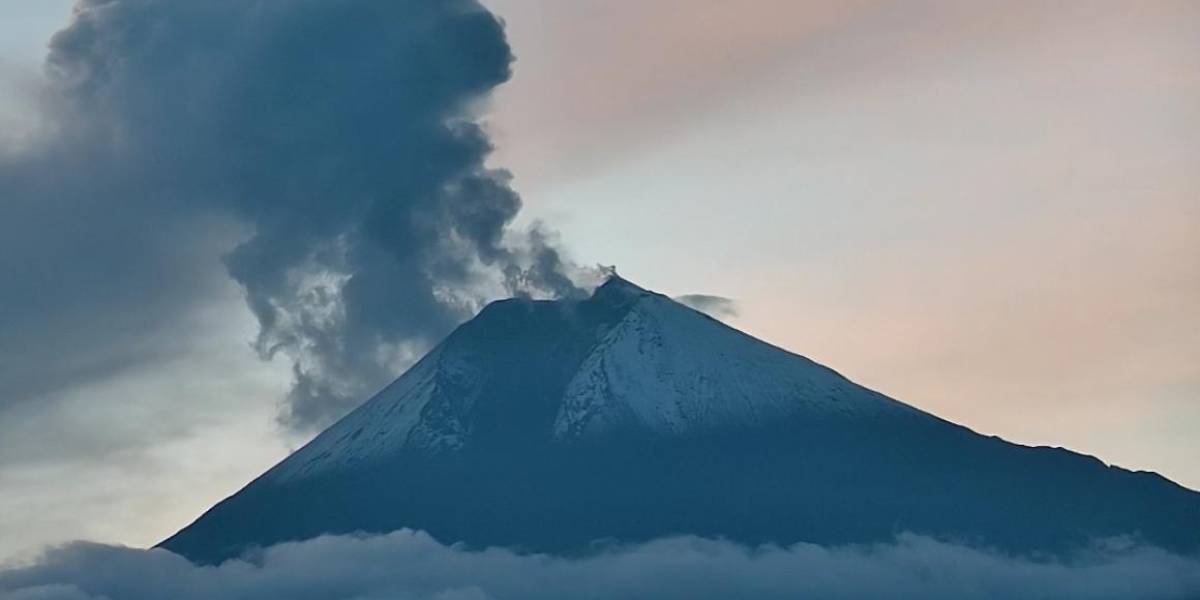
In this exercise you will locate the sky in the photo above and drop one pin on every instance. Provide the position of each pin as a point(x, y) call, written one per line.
point(988, 211)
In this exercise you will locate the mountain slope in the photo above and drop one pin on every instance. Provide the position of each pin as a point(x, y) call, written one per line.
point(550, 425)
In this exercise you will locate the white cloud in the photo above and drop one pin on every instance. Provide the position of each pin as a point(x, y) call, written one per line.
point(411, 565)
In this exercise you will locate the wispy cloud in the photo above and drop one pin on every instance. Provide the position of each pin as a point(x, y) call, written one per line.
point(407, 564)
point(716, 306)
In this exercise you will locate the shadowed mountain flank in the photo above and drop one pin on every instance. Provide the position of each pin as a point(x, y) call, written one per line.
point(551, 426)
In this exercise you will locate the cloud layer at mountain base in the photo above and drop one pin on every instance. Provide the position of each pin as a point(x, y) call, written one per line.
point(412, 565)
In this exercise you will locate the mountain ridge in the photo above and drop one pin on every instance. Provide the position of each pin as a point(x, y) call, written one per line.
point(547, 425)
point(588, 396)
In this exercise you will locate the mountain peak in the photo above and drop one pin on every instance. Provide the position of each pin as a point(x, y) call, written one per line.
point(617, 284)
point(547, 425)
point(624, 360)
point(618, 291)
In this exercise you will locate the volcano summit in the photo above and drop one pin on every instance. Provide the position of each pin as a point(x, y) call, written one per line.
point(553, 425)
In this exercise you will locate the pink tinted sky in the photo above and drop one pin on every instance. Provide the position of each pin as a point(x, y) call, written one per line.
point(989, 210)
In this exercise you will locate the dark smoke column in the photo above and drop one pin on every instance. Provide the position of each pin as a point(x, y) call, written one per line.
point(343, 134)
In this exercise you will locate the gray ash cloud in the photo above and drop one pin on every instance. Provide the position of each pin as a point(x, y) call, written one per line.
point(340, 139)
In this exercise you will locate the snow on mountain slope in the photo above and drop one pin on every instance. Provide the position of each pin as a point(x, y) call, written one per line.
point(548, 425)
point(648, 363)
point(674, 370)
point(378, 427)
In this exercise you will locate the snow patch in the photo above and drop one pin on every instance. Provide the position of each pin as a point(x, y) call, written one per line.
point(674, 370)
point(381, 426)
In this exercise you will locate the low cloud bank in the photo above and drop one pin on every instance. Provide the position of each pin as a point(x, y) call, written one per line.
point(411, 565)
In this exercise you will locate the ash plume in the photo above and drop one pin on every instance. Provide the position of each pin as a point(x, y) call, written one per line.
point(340, 139)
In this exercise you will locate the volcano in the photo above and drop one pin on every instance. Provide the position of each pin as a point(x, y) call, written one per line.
point(555, 426)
